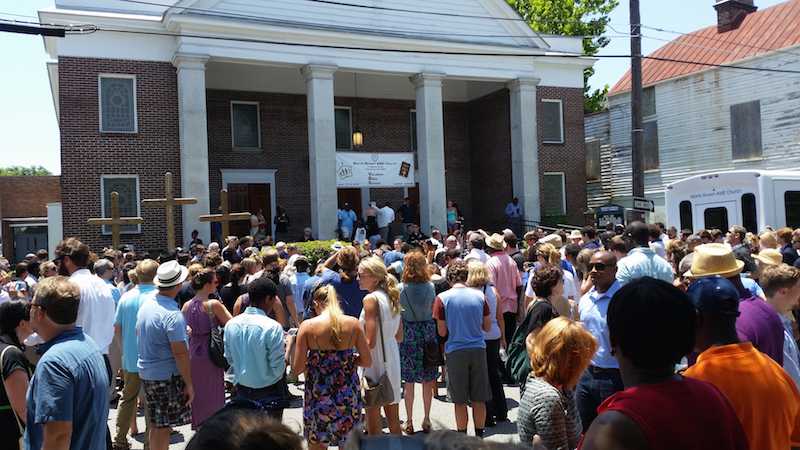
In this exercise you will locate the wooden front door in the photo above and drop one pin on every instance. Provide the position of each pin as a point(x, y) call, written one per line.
point(352, 196)
point(250, 198)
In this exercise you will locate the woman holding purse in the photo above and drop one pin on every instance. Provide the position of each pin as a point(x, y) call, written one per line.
point(419, 341)
point(381, 321)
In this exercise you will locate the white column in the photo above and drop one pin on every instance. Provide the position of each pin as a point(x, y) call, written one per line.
point(525, 146)
point(430, 149)
point(194, 143)
point(321, 149)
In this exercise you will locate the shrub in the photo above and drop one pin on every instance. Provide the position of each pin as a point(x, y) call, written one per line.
point(315, 251)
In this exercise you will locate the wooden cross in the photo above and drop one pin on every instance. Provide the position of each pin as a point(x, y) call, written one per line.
point(169, 202)
point(116, 221)
point(226, 217)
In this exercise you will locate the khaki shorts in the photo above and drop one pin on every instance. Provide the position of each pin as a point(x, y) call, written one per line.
point(468, 376)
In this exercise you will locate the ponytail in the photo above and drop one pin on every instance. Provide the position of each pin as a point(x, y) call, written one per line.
point(327, 295)
point(390, 287)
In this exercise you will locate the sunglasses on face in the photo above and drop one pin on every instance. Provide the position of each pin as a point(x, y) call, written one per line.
point(598, 267)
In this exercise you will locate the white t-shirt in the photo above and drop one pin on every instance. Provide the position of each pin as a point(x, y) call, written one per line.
point(385, 217)
point(568, 279)
point(97, 310)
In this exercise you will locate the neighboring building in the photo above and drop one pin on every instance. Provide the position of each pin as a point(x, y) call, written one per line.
point(265, 119)
point(23, 213)
point(699, 119)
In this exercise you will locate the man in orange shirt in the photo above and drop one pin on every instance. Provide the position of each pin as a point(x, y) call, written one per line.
point(763, 395)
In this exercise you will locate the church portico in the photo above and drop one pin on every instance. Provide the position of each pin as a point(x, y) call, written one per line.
point(286, 103)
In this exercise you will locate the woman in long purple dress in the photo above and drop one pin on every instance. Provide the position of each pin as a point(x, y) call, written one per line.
point(201, 315)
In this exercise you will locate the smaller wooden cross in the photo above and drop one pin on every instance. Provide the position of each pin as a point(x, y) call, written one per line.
point(226, 217)
point(116, 221)
point(169, 202)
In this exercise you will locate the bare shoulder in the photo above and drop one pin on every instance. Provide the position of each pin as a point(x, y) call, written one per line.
point(613, 430)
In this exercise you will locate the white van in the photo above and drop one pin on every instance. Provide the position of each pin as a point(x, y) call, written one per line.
point(751, 198)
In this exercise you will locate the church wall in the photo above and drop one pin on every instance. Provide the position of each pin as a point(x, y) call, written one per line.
point(86, 153)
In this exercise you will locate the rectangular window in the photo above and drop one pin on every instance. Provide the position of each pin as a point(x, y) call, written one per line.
point(127, 186)
point(716, 217)
point(791, 203)
point(554, 199)
point(749, 213)
point(649, 102)
point(117, 103)
point(650, 146)
point(593, 160)
point(746, 130)
point(552, 122)
point(344, 128)
point(685, 209)
point(413, 120)
point(245, 125)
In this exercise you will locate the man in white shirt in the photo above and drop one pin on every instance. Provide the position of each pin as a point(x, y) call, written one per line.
point(385, 218)
point(477, 243)
point(97, 309)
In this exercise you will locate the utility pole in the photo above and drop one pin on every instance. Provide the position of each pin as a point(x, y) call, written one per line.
point(637, 134)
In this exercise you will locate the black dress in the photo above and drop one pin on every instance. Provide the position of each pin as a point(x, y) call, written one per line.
point(13, 360)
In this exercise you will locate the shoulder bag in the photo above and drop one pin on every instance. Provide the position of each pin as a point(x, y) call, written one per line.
point(380, 393)
point(216, 341)
point(431, 353)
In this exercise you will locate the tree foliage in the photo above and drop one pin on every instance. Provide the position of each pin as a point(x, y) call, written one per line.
point(573, 18)
point(21, 171)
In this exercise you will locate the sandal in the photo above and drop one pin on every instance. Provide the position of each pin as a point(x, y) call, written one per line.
point(409, 428)
point(426, 426)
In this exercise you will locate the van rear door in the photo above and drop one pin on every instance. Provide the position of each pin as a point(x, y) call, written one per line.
point(719, 215)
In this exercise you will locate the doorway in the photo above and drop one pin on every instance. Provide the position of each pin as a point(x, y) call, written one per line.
point(28, 239)
point(248, 197)
point(352, 196)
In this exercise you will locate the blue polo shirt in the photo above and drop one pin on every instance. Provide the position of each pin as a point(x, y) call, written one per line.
point(70, 384)
point(593, 309)
point(158, 324)
point(254, 348)
point(127, 310)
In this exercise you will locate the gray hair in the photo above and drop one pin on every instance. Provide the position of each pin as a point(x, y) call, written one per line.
point(102, 266)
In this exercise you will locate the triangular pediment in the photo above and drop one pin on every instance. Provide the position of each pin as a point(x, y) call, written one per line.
point(490, 22)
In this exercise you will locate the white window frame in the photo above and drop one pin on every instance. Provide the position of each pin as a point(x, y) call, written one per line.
point(103, 179)
point(100, 101)
point(560, 118)
point(350, 112)
point(258, 122)
point(563, 189)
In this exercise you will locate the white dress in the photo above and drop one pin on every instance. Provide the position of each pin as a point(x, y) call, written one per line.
point(390, 325)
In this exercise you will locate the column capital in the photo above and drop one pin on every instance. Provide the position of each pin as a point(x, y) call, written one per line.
point(523, 83)
point(189, 61)
point(427, 79)
point(323, 71)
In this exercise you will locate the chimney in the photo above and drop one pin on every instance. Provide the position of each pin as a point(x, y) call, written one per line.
point(731, 13)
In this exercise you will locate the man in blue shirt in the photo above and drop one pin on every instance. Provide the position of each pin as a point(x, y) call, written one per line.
point(68, 394)
point(642, 261)
point(347, 219)
point(164, 357)
point(125, 331)
point(254, 347)
point(602, 378)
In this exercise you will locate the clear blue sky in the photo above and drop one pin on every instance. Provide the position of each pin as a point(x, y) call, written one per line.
point(28, 128)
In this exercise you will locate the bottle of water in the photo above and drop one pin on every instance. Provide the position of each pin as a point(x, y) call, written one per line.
point(503, 355)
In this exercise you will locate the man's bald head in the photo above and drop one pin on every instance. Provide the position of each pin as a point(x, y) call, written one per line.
point(603, 270)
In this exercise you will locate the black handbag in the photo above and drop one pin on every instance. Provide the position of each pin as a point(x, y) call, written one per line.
point(216, 342)
point(432, 356)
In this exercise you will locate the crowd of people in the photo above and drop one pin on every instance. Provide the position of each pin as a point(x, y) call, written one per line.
point(638, 337)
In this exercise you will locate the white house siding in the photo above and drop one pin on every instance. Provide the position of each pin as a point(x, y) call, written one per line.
point(597, 128)
point(694, 134)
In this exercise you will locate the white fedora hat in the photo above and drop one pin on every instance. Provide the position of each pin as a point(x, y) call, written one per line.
point(170, 274)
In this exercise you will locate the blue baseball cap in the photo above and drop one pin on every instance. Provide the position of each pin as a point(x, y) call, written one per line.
point(714, 295)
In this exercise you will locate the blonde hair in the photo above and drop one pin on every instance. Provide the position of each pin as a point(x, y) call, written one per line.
point(767, 239)
point(194, 269)
point(249, 264)
point(478, 274)
point(133, 277)
point(386, 282)
point(550, 254)
point(146, 271)
point(561, 351)
point(326, 295)
point(43, 269)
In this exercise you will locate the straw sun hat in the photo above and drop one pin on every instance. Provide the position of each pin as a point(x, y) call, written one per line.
point(714, 259)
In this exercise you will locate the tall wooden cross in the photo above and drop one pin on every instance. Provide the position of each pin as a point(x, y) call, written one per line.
point(226, 217)
point(168, 203)
point(115, 221)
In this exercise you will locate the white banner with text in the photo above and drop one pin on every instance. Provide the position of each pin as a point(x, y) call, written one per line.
point(377, 170)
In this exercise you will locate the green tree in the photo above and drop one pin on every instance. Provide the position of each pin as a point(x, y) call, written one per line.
point(20, 171)
point(573, 18)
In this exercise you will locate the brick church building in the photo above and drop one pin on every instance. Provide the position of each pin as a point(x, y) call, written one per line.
point(260, 98)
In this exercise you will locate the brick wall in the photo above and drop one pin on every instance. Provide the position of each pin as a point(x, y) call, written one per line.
point(27, 196)
point(569, 157)
point(86, 154)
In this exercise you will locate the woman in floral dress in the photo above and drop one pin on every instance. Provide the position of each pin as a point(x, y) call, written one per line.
point(330, 348)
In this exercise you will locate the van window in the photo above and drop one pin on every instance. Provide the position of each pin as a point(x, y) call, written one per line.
point(791, 203)
point(749, 220)
point(716, 218)
point(686, 215)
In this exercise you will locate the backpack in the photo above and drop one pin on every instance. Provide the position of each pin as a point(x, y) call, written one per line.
point(518, 364)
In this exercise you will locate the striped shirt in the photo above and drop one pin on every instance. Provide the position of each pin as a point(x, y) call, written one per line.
point(550, 413)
